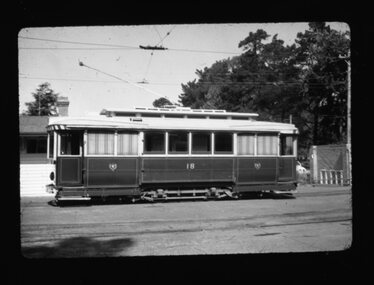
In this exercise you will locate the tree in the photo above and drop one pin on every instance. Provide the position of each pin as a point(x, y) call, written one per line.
point(160, 102)
point(44, 103)
point(249, 82)
point(306, 79)
point(320, 55)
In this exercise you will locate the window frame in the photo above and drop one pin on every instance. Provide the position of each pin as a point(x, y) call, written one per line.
point(116, 143)
point(254, 144)
point(210, 152)
point(223, 153)
point(144, 152)
point(277, 144)
point(38, 139)
point(294, 145)
point(52, 151)
point(58, 151)
point(85, 139)
point(178, 153)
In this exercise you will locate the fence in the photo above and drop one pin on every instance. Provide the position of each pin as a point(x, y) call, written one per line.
point(331, 176)
point(330, 164)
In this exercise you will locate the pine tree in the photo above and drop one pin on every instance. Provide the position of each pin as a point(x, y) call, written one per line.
point(44, 103)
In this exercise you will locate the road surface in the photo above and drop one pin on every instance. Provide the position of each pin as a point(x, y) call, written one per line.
point(317, 219)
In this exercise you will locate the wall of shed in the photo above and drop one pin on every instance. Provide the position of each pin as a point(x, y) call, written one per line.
point(328, 157)
point(33, 179)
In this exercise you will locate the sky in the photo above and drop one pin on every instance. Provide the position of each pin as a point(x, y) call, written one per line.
point(114, 64)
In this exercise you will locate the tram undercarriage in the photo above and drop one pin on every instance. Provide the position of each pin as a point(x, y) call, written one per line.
point(158, 194)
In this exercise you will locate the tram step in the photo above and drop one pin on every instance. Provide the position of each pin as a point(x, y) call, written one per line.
point(180, 198)
point(74, 198)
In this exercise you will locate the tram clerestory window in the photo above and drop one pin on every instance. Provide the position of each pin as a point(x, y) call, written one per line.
point(178, 142)
point(223, 143)
point(201, 143)
point(70, 143)
point(154, 143)
point(286, 144)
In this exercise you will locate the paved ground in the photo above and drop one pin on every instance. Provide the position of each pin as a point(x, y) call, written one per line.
point(317, 219)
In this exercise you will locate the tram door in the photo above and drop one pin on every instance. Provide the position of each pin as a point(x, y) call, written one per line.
point(70, 158)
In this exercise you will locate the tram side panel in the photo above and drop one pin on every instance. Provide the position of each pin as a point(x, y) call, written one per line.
point(287, 169)
point(116, 176)
point(257, 170)
point(186, 171)
point(265, 173)
point(69, 171)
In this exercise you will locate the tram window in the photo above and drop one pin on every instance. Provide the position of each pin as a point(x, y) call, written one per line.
point(201, 143)
point(267, 144)
point(127, 143)
point(286, 143)
point(178, 142)
point(223, 143)
point(100, 143)
point(70, 144)
point(154, 143)
point(246, 144)
point(51, 144)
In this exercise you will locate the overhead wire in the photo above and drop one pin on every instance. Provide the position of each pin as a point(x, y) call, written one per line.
point(248, 83)
point(109, 46)
point(121, 79)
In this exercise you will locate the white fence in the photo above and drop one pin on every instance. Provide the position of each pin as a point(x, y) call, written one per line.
point(331, 176)
point(34, 178)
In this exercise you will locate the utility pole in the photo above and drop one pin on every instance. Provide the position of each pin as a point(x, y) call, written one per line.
point(39, 104)
point(349, 143)
point(349, 116)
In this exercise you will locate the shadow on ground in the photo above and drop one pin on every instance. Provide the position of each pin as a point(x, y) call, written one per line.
point(79, 247)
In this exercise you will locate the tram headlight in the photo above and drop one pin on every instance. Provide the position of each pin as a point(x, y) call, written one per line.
point(52, 176)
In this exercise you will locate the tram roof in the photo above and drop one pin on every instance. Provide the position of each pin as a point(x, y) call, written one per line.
point(173, 110)
point(150, 123)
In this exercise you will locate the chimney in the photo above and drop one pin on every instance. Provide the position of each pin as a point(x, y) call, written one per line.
point(62, 106)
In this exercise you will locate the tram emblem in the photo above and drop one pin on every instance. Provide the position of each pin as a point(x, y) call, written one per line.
point(113, 166)
point(257, 165)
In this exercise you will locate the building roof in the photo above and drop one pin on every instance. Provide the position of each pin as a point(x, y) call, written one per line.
point(33, 124)
point(146, 123)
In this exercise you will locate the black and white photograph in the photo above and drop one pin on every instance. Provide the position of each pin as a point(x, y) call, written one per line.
point(184, 139)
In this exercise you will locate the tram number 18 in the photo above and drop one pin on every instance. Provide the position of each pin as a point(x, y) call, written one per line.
point(190, 165)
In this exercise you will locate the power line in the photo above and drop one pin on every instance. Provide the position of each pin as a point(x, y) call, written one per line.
point(76, 42)
point(248, 83)
point(116, 77)
point(59, 48)
point(112, 47)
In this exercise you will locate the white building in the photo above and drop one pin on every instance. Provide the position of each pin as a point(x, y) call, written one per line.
point(34, 165)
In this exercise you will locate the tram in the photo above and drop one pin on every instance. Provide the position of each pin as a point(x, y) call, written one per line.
point(169, 153)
